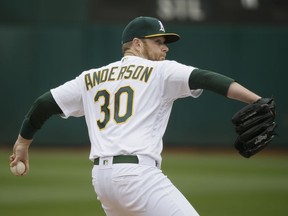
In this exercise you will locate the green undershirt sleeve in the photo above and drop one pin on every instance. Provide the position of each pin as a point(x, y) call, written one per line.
point(42, 109)
point(203, 79)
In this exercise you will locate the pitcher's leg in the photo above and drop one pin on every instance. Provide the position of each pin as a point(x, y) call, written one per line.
point(165, 199)
point(139, 191)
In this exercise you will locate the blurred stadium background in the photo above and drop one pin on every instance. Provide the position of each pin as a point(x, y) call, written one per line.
point(45, 43)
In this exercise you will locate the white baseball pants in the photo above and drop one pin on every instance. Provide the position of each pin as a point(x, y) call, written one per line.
point(137, 190)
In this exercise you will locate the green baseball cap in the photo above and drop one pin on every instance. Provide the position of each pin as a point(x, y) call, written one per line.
point(147, 27)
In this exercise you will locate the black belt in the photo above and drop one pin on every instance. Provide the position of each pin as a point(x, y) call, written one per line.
point(121, 159)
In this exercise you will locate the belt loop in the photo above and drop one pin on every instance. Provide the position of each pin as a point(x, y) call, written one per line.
point(146, 160)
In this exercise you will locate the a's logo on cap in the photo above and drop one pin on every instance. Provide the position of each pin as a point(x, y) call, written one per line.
point(161, 26)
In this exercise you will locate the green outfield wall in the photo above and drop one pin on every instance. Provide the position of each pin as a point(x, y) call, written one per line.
point(37, 56)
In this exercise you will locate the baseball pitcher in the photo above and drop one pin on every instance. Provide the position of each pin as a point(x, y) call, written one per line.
point(127, 105)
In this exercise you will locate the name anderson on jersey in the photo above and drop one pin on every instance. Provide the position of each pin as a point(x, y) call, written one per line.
point(141, 73)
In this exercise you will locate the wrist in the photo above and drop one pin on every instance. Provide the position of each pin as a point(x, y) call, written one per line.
point(23, 141)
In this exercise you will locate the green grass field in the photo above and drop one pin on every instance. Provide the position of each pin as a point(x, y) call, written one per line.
point(217, 184)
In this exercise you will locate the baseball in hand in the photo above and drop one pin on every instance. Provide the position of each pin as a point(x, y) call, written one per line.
point(18, 169)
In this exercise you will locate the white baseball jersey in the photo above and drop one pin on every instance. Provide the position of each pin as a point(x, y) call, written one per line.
point(126, 104)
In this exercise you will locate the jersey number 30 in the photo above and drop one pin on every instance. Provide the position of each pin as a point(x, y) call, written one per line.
point(119, 117)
